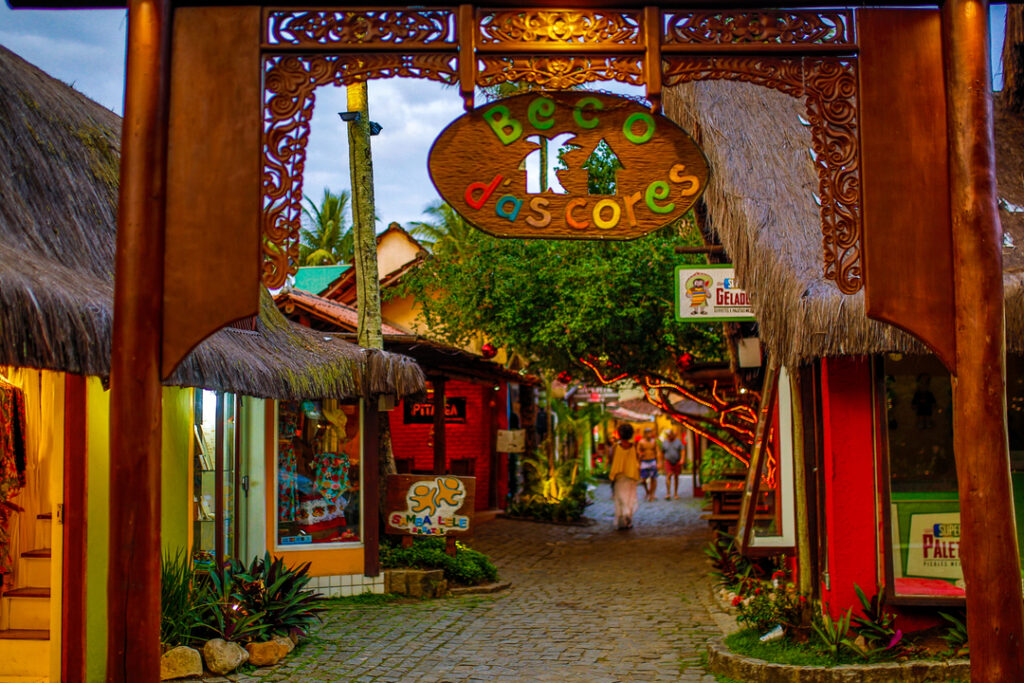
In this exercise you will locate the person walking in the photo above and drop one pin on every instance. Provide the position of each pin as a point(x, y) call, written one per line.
point(672, 446)
point(624, 475)
point(651, 460)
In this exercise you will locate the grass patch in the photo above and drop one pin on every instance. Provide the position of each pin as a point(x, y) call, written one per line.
point(725, 679)
point(363, 599)
point(785, 651)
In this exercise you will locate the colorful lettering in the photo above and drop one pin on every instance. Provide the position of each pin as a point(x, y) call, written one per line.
point(658, 191)
point(577, 112)
point(569, 208)
point(506, 128)
point(485, 192)
point(500, 209)
point(539, 113)
point(646, 119)
point(675, 174)
point(599, 220)
point(539, 205)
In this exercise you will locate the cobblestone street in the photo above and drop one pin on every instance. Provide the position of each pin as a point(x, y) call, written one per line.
point(586, 604)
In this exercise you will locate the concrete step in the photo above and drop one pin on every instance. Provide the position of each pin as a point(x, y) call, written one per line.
point(26, 608)
point(24, 656)
point(34, 569)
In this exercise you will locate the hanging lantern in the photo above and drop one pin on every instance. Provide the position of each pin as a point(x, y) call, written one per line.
point(488, 350)
point(684, 362)
point(565, 377)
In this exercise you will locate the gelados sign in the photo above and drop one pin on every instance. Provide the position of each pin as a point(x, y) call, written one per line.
point(567, 165)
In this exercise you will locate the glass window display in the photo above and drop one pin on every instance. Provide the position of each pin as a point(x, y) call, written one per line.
point(318, 497)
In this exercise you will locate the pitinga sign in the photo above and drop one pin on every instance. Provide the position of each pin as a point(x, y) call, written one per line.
point(567, 165)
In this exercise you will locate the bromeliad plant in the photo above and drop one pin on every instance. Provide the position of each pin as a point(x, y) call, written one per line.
point(833, 634)
point(877, 626)
point(240, 603)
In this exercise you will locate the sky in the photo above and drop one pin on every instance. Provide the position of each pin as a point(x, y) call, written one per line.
point(86, 50)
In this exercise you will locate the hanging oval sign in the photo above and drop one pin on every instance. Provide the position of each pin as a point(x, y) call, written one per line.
point(567, 165)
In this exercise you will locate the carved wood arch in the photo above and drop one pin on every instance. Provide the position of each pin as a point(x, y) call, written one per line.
point(808, 54)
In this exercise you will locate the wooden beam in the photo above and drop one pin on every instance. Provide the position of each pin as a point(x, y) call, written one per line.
point(707, 249)
point(133, 583)
point(988, 539)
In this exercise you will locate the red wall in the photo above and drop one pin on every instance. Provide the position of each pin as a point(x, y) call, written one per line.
point(851, 519)
point(485, 413)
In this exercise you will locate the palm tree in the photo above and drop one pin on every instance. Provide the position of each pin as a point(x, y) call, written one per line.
point(327, 238)
point(445, 231)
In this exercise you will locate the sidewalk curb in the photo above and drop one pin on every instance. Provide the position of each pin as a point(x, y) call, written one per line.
point(482, 589)
point(723, 661)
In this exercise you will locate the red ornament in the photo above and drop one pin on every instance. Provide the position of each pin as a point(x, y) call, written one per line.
point(684, 362)
point(565, 377)
point(488, 350)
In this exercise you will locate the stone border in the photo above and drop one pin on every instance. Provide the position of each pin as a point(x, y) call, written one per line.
point(723, 661)
point(482, 589)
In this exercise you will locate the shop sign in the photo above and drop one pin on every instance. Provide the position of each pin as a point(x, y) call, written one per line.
point(709, 293)
point(511, 441)
point(934, 547)
point(423, 413)
point(423, 505)
point(611, 168)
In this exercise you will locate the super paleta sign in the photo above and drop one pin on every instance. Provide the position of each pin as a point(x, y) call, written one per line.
point(567, 165)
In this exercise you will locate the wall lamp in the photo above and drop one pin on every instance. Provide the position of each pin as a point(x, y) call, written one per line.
point(354, 116)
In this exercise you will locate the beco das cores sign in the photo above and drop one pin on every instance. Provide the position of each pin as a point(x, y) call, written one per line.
point(567, 165)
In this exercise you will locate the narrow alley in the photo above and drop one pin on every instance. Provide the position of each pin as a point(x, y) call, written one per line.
point(586, 604)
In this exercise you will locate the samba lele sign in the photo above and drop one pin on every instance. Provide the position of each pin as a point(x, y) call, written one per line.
point(438, 505)
point(567, 165)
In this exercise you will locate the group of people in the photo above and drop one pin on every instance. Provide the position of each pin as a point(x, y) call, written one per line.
point(640, 461)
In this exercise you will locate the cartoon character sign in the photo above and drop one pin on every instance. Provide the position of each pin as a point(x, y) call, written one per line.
point(697, 290)
point(431, 507)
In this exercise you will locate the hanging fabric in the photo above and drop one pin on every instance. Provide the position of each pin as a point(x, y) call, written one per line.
point(12, 464)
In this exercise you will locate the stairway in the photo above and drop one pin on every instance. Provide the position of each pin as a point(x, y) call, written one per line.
point(25, 617)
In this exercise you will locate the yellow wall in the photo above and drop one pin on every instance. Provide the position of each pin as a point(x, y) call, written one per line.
point(393, 251)
point(175, 498)
point(97, 416)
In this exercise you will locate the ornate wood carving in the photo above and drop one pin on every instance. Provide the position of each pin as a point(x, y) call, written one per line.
point(760, 27)
point(289, 85)
point(544, 29)
point(829, 86)
point(557, 73)
point(348, 29)
point(517, 45)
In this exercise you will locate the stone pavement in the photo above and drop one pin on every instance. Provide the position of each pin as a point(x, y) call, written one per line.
point(586, 604)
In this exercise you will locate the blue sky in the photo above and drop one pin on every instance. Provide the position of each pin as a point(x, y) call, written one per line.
point(86, 50)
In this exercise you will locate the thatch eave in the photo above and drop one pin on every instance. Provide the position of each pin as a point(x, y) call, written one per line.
point(761, 203)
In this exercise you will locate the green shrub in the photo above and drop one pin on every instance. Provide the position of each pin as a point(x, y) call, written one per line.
point(179, 605)
point(468, 567)
point(715, 462)
point(267, 586)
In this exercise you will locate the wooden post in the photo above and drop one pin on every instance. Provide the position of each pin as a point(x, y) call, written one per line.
point(803, 535)
point(991, 565)
point(440, 440)
point(133, 584)
point(76, 498)
point(369, 327)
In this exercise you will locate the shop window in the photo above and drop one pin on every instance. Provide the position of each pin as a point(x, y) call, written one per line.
point(318, 481)
point(213, 474)
point(923, 528)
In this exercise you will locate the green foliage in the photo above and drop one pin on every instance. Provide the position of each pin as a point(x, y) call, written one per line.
point(327, 238)
point(715, 463)
point(833, 634)
point(785, 651)
point(877, 625)
point(277, 592)
point(731, 569)
point(179, 605)
point(771, 603)
point(242, 604)
point(446, 232)
point(551, 494)
point(557, 301)
point(956, 633)
point(468, 567)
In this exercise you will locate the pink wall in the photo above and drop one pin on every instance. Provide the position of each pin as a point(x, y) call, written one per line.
point(469, 440)
point(851, 518)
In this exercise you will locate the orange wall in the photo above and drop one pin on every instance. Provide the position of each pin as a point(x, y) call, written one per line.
point(323, 562)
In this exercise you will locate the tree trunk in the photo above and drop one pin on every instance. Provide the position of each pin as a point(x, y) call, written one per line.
point(1013, 59)
point(369, 325)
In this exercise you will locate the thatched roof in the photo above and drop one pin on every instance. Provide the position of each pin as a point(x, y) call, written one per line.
point(59, 157)
point(760, 201)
